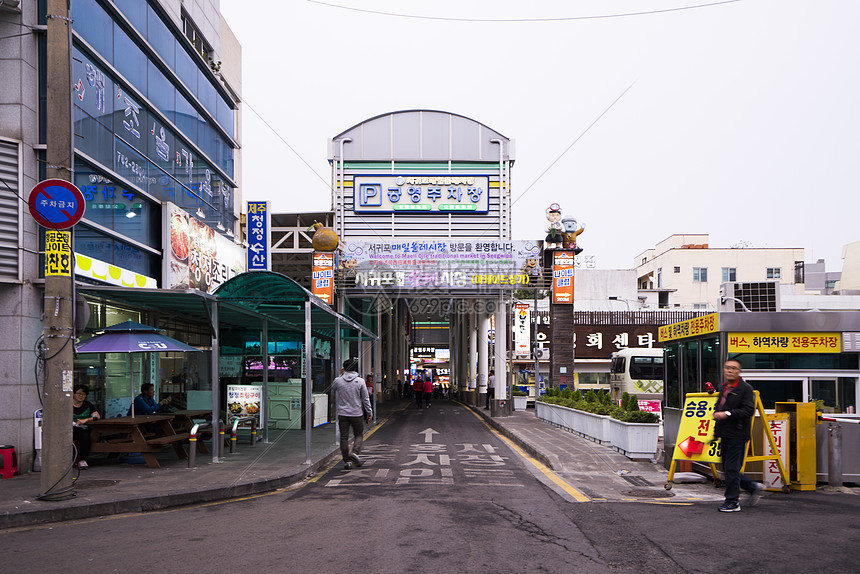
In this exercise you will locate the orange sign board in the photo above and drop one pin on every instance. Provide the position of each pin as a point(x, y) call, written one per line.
point(322, 283)
point(562, 277)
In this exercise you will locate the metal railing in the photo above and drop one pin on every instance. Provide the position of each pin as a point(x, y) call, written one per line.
point(192, 442)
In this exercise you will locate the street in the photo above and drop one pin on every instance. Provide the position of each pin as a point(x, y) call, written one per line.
point(440, 492)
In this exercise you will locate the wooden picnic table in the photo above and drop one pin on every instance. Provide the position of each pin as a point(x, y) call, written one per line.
point(128, 434)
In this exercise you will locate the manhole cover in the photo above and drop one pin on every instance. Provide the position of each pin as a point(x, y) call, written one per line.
point(95, 483)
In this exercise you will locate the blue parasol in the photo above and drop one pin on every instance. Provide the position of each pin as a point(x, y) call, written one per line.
point(132, 337)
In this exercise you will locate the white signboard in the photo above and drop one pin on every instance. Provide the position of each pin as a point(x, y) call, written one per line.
point(522, 329)
point(779, 427)
point(443, 263)
point(197, 256)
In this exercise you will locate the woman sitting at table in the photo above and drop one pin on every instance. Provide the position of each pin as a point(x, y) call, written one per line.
point(144, 403)
point(83, 412)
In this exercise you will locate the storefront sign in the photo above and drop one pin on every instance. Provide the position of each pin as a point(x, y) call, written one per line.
point(600, 341)
point(562, 277)
point(522, 329)
point(258, 236)
point(198, 258)
point(421, 194)
point(429, 264)
point(322, 284)
point(690, 328)
point(785, 342)
point(243, 401)
point(58, 253)
point(779, 427)
point(697, 430)
point(93, 268)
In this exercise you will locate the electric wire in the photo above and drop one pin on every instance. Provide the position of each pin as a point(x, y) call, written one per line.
point(509, 20)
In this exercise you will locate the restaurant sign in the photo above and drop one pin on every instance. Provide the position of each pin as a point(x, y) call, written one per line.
point(421, 194)
point(429, 264)
point(244, 401)
point(198, 257)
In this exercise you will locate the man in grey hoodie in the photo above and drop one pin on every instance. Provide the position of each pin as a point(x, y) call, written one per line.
point(353, 407)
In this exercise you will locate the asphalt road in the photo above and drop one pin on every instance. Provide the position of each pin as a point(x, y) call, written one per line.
point(440, 492)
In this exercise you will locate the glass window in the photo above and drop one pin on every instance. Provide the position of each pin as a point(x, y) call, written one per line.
point(132, 120)
point(162, 186)
point(773, 391)
point(135, 11)
point(130, 164)
point(207, 139)
point(186, 117)
point(206, 92)
point(700, 274)
point(94, 90)
point(161, 92)
point(847, 395)
point(92, 243)
point(129, 59)
point(161, 146)
point(92, 138)
point(186, 69)
point(94, 25)
point(774, 272)
point(677, 269)
point(672, 386)
point(225, 115)
point(691, 367)
point(730, 274)
point(160, 37)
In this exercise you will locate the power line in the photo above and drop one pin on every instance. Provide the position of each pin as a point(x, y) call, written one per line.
point(556, 19)
point(573, 143)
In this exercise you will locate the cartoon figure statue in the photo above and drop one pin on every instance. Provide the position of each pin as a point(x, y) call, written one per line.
point(571, 231)
point(531, 267)
point(555, 227)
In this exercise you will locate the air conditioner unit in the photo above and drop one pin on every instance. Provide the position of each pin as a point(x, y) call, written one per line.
point(761, 296)
point(542, 354)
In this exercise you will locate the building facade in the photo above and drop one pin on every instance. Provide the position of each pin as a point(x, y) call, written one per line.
point(684, 271)
point(154, 93)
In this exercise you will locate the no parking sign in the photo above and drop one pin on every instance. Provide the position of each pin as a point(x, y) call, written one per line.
point(56, 204)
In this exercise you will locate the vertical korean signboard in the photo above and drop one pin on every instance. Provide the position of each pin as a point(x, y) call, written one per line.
point(562, 277)
point(322, 284)
point(258, 236)
point(522, 329)
point(58, 253)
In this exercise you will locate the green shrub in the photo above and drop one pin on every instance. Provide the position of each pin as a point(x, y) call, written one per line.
point(515, 392)
point(605, 400)
point(638, 417)
point(625, 400)
point(566, 393)
point(577, 395)
point(591, 396)
point(633, 404)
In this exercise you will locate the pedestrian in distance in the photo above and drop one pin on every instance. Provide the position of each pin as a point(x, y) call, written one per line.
point(353, 408)
point(428, 391)
point(399, 388)
point(491, 388)
point(733, 416)
point(418, 390)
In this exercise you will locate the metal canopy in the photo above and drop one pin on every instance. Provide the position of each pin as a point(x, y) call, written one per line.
point(242, 301)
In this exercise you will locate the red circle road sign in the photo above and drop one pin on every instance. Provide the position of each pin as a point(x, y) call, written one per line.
point(56, 204)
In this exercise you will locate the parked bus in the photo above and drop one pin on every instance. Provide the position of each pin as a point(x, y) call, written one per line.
point(638, 372)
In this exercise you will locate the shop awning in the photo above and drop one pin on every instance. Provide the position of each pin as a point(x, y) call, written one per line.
point(242, 301)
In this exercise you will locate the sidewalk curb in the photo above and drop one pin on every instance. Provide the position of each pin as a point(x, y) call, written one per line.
point(36, 516)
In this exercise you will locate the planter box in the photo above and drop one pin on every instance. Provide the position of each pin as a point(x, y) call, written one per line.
point(634, 440)
point(588, 425)
point(520, 403)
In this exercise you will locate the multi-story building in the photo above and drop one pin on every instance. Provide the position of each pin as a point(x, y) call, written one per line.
point(154, 98)
point(684, 271)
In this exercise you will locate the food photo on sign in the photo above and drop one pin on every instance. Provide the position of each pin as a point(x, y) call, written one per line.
point(199, 258)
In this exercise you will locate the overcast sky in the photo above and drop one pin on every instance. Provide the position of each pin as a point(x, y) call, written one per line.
point(738, 119)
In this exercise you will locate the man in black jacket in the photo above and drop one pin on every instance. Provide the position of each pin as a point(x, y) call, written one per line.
point(733, 416)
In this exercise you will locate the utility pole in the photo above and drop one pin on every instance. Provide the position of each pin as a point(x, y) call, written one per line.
point(59, 289)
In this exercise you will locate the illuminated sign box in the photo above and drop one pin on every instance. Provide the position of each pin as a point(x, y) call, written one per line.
point(421, 194)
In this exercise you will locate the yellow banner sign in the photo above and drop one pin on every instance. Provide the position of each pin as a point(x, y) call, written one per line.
point(696, 433)
point(785, 342)
point(690, 328)
point(58, 253)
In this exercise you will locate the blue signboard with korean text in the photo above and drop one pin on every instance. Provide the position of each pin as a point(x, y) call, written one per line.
point(258, 236)
point(421, 193)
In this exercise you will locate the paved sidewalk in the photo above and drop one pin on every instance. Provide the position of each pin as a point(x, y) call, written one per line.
point(598, 472)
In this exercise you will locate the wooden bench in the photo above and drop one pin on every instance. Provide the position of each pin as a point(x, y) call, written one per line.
point(165, 440)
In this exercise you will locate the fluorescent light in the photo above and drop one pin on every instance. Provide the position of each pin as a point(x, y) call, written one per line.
point(220, 227)
point(200, 213)
point(130, 214)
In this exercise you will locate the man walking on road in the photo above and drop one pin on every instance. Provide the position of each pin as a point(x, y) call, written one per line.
point(733, 414)
point(353, 407)
point(491, 389)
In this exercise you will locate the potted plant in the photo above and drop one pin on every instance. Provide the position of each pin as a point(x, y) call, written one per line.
point(520, 399)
